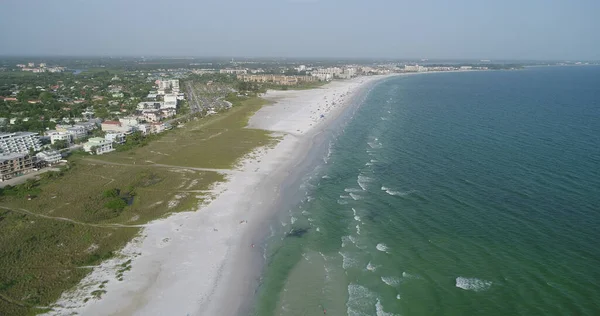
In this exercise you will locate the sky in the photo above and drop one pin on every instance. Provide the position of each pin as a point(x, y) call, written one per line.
point(434, 29)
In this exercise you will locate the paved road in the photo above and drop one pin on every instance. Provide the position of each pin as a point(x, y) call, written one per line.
point(25, 177)
point(193, 99)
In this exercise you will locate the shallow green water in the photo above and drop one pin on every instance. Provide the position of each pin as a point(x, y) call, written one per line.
point(451, 194)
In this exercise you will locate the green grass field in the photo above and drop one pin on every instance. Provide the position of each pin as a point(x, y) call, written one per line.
point(213, 142)
point(93, 209)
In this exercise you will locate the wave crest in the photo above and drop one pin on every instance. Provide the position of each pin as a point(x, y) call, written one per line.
point(473, 284)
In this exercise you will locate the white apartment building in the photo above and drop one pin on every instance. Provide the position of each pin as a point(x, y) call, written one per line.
point(129, 121)
point(55, 136)
point(19, 142)
point(414, 68)
point(150, 105)
point(115, 126)
point(168, 84)
point(323, 77)
point(99, 144)
point(233, 71)
point(89, 126)
point(170, 102)
point(115, 137)
point(49, 156)
point(334, 71)
point(77, 131)
point(152, 115)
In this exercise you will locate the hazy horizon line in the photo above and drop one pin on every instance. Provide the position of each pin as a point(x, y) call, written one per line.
point(141, 56)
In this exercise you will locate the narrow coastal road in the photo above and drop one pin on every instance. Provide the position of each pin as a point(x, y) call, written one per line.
point(225, 171)
point(25, 177)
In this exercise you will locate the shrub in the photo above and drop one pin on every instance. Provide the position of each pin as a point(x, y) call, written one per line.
point(116, 204)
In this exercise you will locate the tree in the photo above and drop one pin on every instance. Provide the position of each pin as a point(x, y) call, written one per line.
point(111, 193)
point(46, 97)
point(59, 144)
point(116, 204)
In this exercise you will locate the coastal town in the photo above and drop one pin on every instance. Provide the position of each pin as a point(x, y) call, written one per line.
point(105, 150)
point(98, 111)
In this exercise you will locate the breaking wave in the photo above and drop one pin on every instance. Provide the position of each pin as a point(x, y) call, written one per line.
point(382, 247)
point(472, 284)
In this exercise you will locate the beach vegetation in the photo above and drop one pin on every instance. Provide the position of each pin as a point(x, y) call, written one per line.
point(83, 215)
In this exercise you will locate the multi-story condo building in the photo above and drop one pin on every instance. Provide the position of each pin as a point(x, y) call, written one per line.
point(49, 156)
point(98, 145)
point(19, 142)
point(77, 131)
point(56, 136)
point(14, 164)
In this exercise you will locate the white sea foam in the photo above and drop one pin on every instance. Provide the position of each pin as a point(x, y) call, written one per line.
point(326, 177)
point(358, 229)
point(371, 267)
point(374, 161)
point(397, 193)
point(473, 284)
point(382, 247)
point(363, 182)
point(407, 275)
point(347, 260)
point(357, 218)
point(398, 296)
point(342, 202)
point(375, 145)
point(355, 197)
point(380, 311)
point(283, 224)
point(360, 299)
point(318, 229)
point(348, 239)
point(390, 280)
point(293, 219)
point(354, 190)
point(345, 197)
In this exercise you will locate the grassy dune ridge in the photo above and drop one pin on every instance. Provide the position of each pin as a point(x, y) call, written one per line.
point(86, 214)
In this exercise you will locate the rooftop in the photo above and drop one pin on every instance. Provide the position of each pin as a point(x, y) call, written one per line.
point(17, 134)
point(96, 140)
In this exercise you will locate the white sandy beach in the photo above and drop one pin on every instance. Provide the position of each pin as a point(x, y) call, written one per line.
point(203, 262)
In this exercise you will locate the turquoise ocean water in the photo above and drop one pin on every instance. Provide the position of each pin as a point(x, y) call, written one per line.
point(472, 193)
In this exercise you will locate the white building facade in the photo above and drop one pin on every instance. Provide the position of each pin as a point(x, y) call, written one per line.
point(115, 137)
point(49, 156)
point(60, 136)
point(19, 142)
point(98, 146)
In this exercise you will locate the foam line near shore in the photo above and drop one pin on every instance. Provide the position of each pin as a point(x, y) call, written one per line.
point(204, 262)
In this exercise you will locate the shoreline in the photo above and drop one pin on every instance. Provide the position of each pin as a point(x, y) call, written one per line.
point(196, 262)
